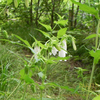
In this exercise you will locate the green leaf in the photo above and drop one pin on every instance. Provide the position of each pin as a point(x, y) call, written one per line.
point(87, 9)
point(59, 16)
point(27, 3)
point(61, 32)
point(91, 36)
point(48, 27)
point(9, 1)
point(44, 33)
point(5, 34)
point(97, 98)
point(96, 55)
point(61, 22)
point(13, 42)
point(28, 79)
point(39, 43)
point(16, 3)
point(25, 41)
point(23, 75)
point(33, 88)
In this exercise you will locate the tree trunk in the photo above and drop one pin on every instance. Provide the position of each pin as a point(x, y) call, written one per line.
point(37, 13)
point(31, 18)
point(75, 22)
point(71, 17)
point(52, 13)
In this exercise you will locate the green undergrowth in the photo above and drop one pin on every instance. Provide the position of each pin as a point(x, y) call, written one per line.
point(65, 73)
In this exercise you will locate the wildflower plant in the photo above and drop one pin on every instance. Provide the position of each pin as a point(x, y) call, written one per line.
point(41, 56)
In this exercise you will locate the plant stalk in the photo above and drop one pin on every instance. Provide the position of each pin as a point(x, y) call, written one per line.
point(13, 91)
point(93, 68)
point(41, 95)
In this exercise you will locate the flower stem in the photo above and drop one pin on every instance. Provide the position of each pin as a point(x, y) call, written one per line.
point(93, 68)
point(13, 91)
point(41, 95)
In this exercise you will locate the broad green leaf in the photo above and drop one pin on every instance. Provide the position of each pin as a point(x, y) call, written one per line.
point(19, 1)
point(16, 3)
point(27, 3)
point(87, 9)
point(49, 61)
point(55, 60)
point(91, 36)
point(22, 74)
point(48, 27)
point(5, 34)
point(39, 43)
point(28, 79)
point(96, 55)
point(97, 98)
point(44, 33)
point(61, 32)
point(61, 22)
point(9, 1)
point(25, 41)
point(13, 42)
point(59, 16)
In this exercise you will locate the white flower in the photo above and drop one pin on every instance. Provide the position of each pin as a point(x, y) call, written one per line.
point(37, 50)
point(54, 51)
point(62, 53)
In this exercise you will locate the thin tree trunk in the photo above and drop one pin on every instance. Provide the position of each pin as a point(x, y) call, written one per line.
point(70, 20)
point(52, 13)
point(71, 17)
point(37, 13)
point(75, 22)
point(31, 18)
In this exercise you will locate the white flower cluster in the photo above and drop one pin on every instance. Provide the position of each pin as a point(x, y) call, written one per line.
point(61, 53)
point(36, 50)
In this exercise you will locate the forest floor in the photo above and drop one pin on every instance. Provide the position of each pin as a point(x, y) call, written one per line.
point(64, 73)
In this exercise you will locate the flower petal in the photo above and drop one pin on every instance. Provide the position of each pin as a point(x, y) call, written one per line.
point(54, 51)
